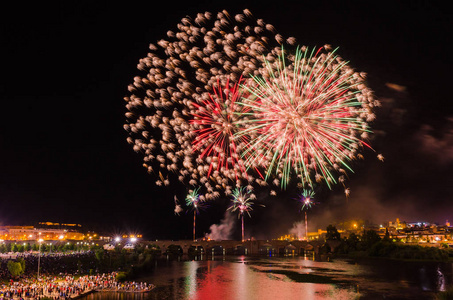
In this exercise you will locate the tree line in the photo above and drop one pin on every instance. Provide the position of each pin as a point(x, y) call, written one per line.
point(370, 244)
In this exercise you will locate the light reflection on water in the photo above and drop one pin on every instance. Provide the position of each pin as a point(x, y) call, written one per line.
point(244, 278)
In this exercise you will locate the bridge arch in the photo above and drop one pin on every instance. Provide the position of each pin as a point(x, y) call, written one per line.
point(230, 247)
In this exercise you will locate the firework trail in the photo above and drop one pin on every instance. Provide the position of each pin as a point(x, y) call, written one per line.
point(199, 63)
point(308, 118)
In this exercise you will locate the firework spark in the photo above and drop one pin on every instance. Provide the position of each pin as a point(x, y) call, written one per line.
point(177, 77)
point(221, 104)
point(193, 199)
point(307, 199)
point(309, 115)
point(215, 122)
point(242, 203)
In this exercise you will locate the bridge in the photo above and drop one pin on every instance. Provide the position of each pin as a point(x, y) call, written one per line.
point(230, 247)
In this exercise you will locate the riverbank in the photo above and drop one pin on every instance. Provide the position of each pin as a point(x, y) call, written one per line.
point(364, 255)
point(69, 287)
point(400, 252)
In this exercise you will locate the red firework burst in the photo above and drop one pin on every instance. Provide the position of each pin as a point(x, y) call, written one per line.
point(216, 120)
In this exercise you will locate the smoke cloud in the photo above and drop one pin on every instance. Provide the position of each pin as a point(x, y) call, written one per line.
point(298, 230)
point(224, 230)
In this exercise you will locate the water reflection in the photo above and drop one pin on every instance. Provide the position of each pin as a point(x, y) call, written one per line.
point(191, 278)
point(441, 280)
point(245, 277)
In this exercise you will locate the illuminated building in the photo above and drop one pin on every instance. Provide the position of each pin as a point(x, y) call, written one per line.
point(30, 233)
point(315, 235)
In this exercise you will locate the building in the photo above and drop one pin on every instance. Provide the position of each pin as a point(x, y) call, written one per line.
point(30, 233)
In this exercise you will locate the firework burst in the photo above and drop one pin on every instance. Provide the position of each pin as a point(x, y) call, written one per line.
point(242, 203)
point(307, 199)
point(308, 118)
point(194, 200)
point(214, 124)
point(177, 77)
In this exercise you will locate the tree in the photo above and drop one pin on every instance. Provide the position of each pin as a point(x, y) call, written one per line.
point(22, 264)
point(99, 253)
point(387, 235)
point(369, 238)
point(352, 241)
point(332, 233)
point(121, 276)
point(15, 268)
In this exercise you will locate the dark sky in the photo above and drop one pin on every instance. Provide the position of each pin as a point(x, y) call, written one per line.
point(65, 71)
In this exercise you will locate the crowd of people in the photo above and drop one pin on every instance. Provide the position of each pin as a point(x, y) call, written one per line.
point(53, 263)
point(70, 283)
point(67, 287)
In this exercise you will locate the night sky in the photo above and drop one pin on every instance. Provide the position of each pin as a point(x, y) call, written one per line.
point(65, 70)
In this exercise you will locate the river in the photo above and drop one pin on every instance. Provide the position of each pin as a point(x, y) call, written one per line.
point(248, 278)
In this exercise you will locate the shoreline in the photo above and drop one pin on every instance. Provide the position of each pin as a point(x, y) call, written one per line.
point(71, 287)
point(84, 294)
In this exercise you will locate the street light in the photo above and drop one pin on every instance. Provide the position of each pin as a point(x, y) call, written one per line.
point(39, 254)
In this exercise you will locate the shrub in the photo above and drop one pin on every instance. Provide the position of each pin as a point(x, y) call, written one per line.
point(121, 276)
point(15, 268)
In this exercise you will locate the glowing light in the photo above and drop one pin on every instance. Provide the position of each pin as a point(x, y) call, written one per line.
point(306, 198)
point(215, 121)
point(193, 199)
point(186, 94)
point(242, 203)
point(308, 118)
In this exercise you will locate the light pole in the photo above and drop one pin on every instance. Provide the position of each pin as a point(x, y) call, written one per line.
point(39, 254)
